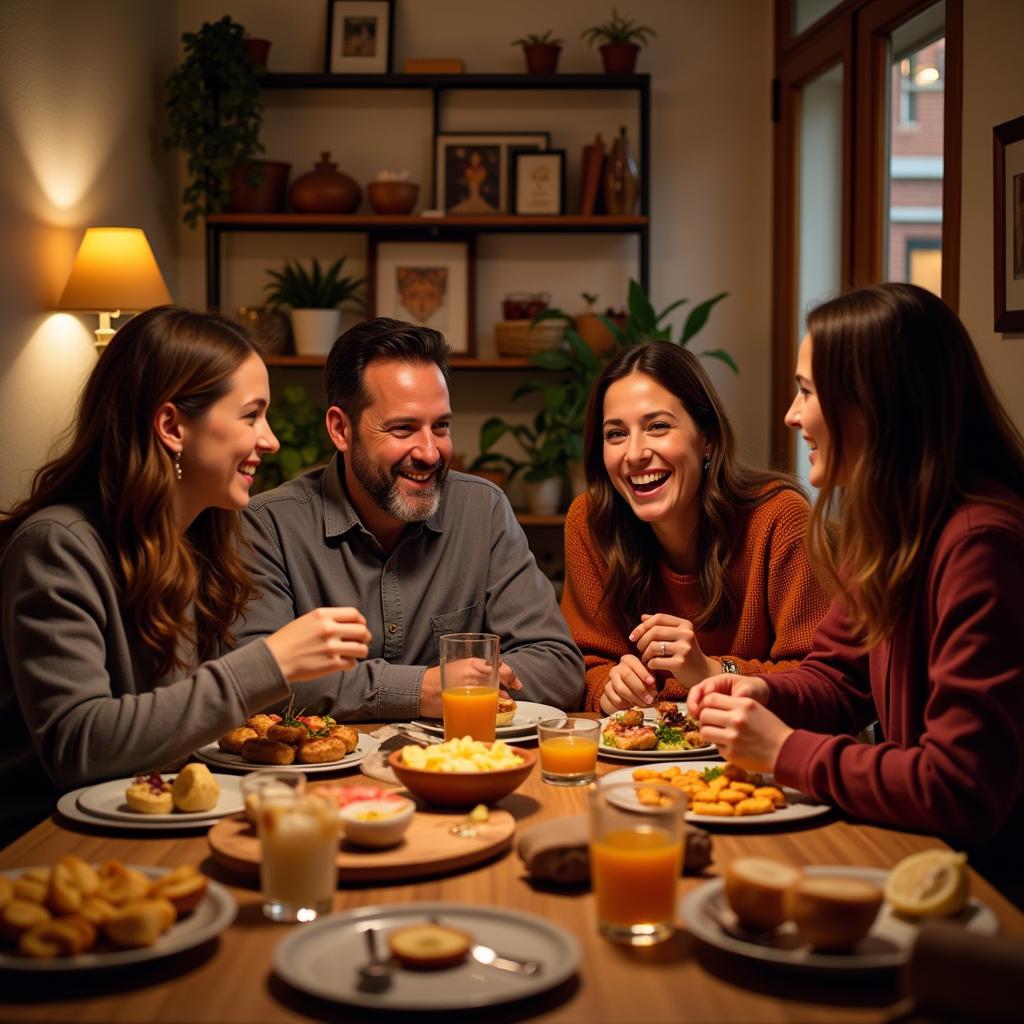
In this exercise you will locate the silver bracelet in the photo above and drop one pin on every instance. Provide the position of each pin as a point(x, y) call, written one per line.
point(728, 665)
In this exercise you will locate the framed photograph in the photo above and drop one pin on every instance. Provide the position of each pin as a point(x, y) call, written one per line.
point(359, 36)
point(425, 283)
point(537, 183)
point(471, 170)
point(1008, 234)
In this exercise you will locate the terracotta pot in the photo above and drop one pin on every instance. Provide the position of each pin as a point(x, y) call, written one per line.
point(591, 328)
point(396, 197)
point(325, 189)
point(619, 58)
point(265, 197)
point(541, 58)
point(258, 51)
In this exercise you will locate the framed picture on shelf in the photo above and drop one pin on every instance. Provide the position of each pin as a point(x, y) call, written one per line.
point(359, 35)
point(537, 182)
point(471, 170)
point(425, 283)
point(1008, 193)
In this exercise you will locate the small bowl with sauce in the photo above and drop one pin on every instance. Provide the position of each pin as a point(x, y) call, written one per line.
point(377, 823)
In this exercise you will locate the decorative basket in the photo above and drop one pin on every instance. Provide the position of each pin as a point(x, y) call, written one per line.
point(523, 338)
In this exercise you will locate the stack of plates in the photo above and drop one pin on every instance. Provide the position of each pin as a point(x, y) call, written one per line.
point(104, 804)
point(522, 728)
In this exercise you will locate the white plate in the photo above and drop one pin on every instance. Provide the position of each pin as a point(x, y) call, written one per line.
point(887, 945)
point(212, 754)
point(68, 807)
point(798, 805)
point(322, 959)
point(106, 800)
point(651, 716)
point(528, 715)
point(215, 912)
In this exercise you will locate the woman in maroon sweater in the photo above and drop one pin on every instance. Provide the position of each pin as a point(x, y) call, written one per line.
point(925, 632)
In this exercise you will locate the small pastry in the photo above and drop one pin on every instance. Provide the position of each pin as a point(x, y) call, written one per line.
point(195, 789)
point(51, 938)
point(149, 794)
point(140, 923)
point(506, 710)
point(429, 947)
point(20, 915)
point(184, 887)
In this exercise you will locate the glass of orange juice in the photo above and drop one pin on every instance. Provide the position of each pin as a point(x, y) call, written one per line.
point(636, 855)
point(469, 685)
point(568, 750)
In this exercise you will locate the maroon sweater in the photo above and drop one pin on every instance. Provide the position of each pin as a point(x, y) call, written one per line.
point(947, 689)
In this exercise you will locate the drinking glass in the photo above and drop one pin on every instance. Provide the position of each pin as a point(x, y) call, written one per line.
point(568, 750)
point(469, 685)
point(253, 784)
point(299, 845)
point(636, 853)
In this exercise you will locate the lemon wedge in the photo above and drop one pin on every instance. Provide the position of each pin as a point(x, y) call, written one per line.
point(932, 883)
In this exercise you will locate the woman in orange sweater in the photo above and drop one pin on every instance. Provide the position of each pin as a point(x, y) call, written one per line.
point(681, 562)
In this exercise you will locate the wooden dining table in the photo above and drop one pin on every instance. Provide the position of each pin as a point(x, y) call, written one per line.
point(231, 978)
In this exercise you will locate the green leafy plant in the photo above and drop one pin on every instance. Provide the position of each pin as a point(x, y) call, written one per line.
point(214, 113)
point(314, 288)
point(299, 426)
point(545, 39)
point(618, 30)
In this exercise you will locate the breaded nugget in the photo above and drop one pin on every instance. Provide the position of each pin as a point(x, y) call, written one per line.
point(261, 723)
point(773, 793)
point(719, 783)
point(646, 774)
point(648, 796)
point(320, 751)
point(292, 734)
point(346, 733)
point(668, 774)
point(711, 795)
point(268, 751)
point(755, 805)
point(719, 810)
point(232, 741)
point(730, 795)
point(742, 787)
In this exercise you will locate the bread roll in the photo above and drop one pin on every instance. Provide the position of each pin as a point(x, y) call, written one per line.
point(756, 888)
point(195, 789)
point(833, 913)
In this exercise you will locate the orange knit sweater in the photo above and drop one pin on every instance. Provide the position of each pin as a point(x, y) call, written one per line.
point(781, 600)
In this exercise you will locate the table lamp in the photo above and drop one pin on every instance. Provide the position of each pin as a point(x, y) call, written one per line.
point(114, 270)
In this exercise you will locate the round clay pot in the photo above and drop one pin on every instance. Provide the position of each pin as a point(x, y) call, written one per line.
point(619, 58)
point(325, 189)
point(258, 51)
point(265, 197)
point(541, 58)
point(396, 197)
point(591, 328)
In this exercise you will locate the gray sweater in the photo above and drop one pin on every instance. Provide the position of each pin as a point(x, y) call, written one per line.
point(79, 701)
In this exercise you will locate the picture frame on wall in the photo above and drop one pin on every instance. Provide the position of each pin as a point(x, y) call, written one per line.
point(471, 169)
point(426, 283)
point(1008, 233)
point(360, 34)
point(537, 182)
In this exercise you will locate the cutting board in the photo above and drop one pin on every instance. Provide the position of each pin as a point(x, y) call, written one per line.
point(427, 848)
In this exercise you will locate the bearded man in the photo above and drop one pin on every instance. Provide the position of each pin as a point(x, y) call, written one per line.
point(420, 550)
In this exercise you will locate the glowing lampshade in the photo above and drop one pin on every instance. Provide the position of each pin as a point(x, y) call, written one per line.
point(115, 270)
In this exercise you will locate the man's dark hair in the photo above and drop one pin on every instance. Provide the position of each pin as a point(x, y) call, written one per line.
point(379, 338)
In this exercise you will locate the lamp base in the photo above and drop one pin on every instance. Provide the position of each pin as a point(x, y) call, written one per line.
point(105, 332)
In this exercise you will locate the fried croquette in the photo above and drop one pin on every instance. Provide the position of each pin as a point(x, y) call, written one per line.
point(347, 734)
point(268, 751)
point(261, 723)
point(232, 741)
point(320, 751)
point(292, 734)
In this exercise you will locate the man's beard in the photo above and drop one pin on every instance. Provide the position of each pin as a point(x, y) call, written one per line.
point(384, 490)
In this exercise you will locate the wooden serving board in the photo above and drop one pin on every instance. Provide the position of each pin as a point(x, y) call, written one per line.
point(427, 848)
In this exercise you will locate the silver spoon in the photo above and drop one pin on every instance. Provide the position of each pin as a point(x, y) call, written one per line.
point(374, 976)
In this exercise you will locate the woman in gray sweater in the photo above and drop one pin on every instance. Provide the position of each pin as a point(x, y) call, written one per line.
point(123, 570)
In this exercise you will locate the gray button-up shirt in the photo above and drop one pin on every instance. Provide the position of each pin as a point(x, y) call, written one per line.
point(466, 569)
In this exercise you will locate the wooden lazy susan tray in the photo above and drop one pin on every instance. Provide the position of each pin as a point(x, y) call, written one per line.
point(427, 848)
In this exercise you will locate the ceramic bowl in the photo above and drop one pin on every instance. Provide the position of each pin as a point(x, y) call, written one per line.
point(392, 196)
point(377, 823)
point(463, 789)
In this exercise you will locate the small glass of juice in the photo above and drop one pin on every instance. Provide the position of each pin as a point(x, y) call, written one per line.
point(568, 750)
point(636, 855)
point(469, 685)
point(299, 835)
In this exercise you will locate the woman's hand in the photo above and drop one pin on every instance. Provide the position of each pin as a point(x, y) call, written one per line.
point(733, 716)
point(629, 684)
point(669, 644)
point(322, 641)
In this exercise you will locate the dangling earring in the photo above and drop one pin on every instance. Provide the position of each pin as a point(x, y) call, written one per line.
point(707, 461)
point(177, 466)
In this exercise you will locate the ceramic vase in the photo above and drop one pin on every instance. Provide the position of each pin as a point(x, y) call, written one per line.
point(315, 330)
point(267, 195)
point(621, 177)
point(325, 189)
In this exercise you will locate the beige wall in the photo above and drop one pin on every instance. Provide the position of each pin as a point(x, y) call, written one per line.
point(80, 146)
point(993, 93)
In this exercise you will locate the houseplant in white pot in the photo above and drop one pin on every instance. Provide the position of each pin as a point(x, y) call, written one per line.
point(315, 298)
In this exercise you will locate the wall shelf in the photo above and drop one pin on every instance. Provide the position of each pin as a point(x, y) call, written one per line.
point(501, 82)
point(455, 362)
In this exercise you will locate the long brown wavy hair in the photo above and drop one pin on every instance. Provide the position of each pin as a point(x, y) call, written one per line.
point(898, 379)
point(729, 488)
point(116, 469)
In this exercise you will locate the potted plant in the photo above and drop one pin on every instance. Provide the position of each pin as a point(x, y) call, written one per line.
point(315, 297)
point(541, 52)
point(214, 113)
point(299, 426)
point(622, 39)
